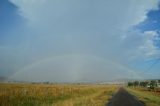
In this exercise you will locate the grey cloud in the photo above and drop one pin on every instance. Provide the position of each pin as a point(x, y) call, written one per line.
point(57, 28)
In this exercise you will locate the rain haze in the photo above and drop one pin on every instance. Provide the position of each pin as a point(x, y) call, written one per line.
point(79, 40)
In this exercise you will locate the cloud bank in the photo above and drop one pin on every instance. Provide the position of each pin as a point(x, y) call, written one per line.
point(81, 30)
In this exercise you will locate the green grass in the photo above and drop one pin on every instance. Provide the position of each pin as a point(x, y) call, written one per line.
point(149, 98)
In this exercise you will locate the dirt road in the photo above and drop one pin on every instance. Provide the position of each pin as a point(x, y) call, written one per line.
point(123, 98)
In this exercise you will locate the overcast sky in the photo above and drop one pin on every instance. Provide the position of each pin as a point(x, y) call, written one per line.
point(79, 40)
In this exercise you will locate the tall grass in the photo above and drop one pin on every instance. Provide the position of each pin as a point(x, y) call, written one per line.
point(54, 95)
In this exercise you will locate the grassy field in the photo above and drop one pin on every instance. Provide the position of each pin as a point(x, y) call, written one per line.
point(55, 95)
point(149, 98)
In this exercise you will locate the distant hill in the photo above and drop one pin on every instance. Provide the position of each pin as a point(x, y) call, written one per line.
point(131, 80)
point(127, 80)
point(2, 78)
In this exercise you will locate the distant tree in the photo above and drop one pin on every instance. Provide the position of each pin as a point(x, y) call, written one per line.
point(136, 83)
point(143, 84)
point(130, 84)
point(153, 84)
point(47, 82)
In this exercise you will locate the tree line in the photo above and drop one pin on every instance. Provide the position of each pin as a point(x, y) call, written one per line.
point(149, 84)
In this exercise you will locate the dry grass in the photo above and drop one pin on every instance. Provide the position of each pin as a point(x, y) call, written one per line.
point(55, 95)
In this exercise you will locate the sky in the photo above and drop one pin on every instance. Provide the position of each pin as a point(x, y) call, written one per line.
point(79, 40)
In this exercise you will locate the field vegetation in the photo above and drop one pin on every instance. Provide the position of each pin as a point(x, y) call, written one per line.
point(55, 94)
point(147, 96)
